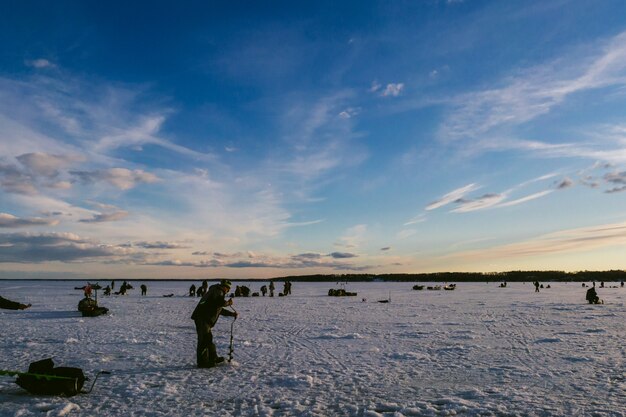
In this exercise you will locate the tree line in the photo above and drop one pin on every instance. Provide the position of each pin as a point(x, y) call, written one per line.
point(513, 276)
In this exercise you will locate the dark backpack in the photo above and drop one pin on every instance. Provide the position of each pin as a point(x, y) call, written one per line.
point(44, 379)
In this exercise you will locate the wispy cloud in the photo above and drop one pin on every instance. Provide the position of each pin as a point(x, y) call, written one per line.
point(10, 221)
point(121, 178)
point(160, 245)
point(106, 217)
point(420, 218)
point(480, 203)
point(452, 196)
point(536, 91)
point(572, 240)
point(40, 63)
point(353, 237)
point(43, 247)
point(525, 199)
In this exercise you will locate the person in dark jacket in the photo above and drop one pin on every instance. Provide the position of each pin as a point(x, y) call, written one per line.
point(144, 289)
point(12, 305)
point(592, 296)
point(205, 315)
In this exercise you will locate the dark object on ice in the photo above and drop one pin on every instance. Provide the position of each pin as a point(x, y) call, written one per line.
point(340, 293)
point(144, 289)
point(622, 284)
point(449, 287)
point(536, 284)
point(168, 295)
point(192, 290)
point(264, 290)
point(592, 296)
point(418, 287)
point(435, 288)
point(503, 285)
point(43, 378)
point(242, 291)
point(89, 308)
point(12, 305)
point(255, 294)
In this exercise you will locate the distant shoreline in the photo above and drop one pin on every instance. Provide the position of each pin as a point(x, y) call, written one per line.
point(510, 276)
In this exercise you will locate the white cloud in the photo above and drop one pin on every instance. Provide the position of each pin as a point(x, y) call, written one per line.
point(420, 218)
point(40, 63)
point(393, 90)
point(452, 196)
point(480, 203)
point(47, 165)
point(121, 178)
point(536, 91)
point(525, 199)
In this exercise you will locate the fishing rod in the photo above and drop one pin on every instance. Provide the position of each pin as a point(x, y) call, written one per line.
point(232, 324)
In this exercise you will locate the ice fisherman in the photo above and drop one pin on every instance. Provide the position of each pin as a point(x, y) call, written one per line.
point(272, 288)
point(192, 290)
point(205, 315)
point(592, 296)
point(144, 289)
point(12, 305)
point(536, 286)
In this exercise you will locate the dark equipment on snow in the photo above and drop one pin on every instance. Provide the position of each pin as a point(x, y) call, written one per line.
point(89, 308)
point(230, 349)
point(43, 378)
point(340, 293)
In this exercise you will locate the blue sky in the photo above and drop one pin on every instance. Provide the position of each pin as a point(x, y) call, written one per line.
point(243, 139)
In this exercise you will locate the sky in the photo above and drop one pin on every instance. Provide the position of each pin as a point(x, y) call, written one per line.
point(260, 139)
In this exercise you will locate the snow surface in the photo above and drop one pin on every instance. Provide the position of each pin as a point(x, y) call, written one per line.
point(480, 350)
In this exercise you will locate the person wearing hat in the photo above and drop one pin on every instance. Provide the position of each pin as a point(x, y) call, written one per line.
point(205, 315)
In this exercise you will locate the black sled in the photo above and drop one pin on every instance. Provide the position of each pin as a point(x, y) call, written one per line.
point(43, 378)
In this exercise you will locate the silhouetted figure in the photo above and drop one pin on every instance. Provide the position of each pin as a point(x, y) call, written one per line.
point(592, 296)
point(205, 315)
point(107, 290)
point(202, 289)
point(122, 290)
point(12, 305)
point(622, 284)
point(113, 284)
point(192, 290)
point(272, 288)
point(144, 289)
point(536, 286)
point(287, 288)
point(601, 284)
point(264, 289)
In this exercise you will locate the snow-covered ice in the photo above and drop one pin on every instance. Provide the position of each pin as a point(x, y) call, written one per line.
point(480, 350)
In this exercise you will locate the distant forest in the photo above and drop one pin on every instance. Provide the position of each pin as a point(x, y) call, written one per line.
point(513, 276)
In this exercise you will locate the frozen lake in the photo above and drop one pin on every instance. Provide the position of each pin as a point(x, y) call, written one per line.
point(480, 350)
